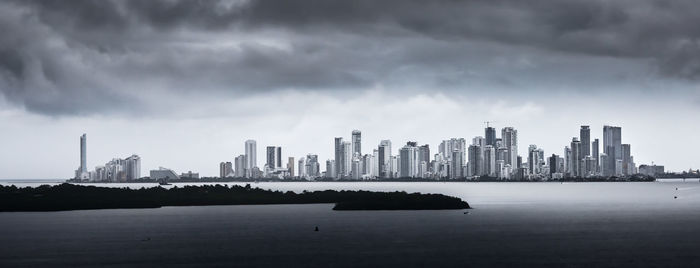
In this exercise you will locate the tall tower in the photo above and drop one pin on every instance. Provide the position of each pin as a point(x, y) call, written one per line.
point(83, 153)
point(490, 134)
point(510, 141)
point(612, 147)
point(290, 166)
point(356, 142)
point(595, 154)
point(384, 158)
point(575, 157)
point(251, 159)
point(585, 136)
point(489, 161)
point(271, 157)
point(339, 158)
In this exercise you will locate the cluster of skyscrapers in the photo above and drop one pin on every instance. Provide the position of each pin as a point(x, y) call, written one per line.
point(116, 170)
point(485, 156)
point(245, 165)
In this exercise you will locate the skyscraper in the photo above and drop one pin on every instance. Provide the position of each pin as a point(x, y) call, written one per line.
point(490, 134)
point(575, 157)
point(133, 167)
point(595, 154)
point(330, 168)
point(627, 164)
point(475, 160)
point(290, 166)
point(339, 158)
point(278, 154)
point(612, 147)
point(83, 153)
point(250, 157)
point(312, 166)
point(384, 155)
point(552, 161)
point(226, 170)
point(510, 142)
point(222, 170)
point(240, 164)
point(457, 161)
point(274, 157)
point(533, 159)
point(408, 166)
point(423, 157)
point(349, 155)
point(489, 161)
point(302, 167)
point(585, 136)
point(356, 142)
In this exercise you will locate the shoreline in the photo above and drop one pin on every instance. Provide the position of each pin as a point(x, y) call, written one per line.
point(68, 196)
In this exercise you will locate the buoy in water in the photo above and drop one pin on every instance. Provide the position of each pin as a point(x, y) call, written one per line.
point(316, 229)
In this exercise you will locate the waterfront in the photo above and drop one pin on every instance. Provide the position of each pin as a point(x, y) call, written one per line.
point(513, 224)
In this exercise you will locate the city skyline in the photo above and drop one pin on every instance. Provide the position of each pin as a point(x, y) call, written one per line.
point(454, 158)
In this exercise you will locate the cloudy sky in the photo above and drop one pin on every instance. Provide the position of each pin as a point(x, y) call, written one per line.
point(185, 83)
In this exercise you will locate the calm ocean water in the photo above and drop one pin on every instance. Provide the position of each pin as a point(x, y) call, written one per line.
point(512, 224)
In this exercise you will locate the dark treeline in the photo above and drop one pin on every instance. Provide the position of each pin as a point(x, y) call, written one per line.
point(77, 197)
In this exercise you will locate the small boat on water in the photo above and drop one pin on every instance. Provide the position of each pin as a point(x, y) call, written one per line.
point(164, 183)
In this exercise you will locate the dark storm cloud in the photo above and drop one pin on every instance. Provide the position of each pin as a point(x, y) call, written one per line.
point(71, 57)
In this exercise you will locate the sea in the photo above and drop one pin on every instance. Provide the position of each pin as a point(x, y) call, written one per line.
point(539, 224)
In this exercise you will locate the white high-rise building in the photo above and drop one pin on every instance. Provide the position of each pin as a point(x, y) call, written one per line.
point(250, 157)
point(133, 167)
point(347, 150)
point(82, 173)
point(240, 165)
point(302, 167)
point(83, 153)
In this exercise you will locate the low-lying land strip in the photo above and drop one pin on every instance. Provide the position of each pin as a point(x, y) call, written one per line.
point(78, 197)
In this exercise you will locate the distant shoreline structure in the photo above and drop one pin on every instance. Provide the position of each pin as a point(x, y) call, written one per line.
point(634, 178)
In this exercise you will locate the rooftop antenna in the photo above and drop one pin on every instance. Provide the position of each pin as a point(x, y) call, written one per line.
point(488, 122)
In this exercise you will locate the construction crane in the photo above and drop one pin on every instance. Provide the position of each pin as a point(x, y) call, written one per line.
point(488, 122)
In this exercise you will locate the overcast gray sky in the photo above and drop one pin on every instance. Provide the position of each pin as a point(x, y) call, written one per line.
point(185, 83)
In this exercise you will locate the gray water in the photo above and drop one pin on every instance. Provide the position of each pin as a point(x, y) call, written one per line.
point(512, 224)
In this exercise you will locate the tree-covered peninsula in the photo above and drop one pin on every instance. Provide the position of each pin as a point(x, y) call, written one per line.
point(77, 197)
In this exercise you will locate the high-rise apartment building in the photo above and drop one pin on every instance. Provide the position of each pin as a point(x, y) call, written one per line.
point(490, 135)
point(595, 155)
point(356, 140)
point(489, 161)
point(612, 147)
point(83, 153)
point(575, 157)
point(250, 157)
point(408, 164)
point(384, 158)
point(585, 136)
point(339, 158)
point(240, 164)
point(509, 138)
point(274, 157)
point(290, 166)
